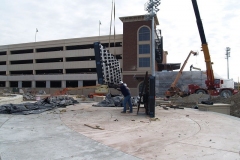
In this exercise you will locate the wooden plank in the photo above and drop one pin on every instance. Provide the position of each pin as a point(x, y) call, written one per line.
point(93, 127)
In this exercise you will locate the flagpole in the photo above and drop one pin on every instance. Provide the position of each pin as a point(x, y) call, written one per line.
point(36, 34)
point(99, 27)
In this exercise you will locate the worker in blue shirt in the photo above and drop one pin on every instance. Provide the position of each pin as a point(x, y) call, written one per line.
point(127, 97)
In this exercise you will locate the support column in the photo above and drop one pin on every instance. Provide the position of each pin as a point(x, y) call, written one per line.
point(33, 84)
point(7, 84)
point(80, 83)
point(47, 84)
point(19, 84)
point(63, 84)
point(64, 60)
point(8, 63)
point(34, 61)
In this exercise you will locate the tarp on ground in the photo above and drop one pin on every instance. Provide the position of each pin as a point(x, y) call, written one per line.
point(40, 106)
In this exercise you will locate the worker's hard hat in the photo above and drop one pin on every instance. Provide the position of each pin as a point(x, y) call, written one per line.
point(125, 84)
point(121, 82)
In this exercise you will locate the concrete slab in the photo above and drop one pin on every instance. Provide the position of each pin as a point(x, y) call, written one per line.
point(44, 136)
point(216, 107)
point(172, 134)
point(176, 134)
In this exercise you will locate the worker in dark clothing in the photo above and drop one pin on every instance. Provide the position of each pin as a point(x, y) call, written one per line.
point(127, 97)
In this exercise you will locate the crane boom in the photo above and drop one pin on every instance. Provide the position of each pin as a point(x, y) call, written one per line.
point(173, 90)
point(214, 86)
point(209, 71)
point(181, 70)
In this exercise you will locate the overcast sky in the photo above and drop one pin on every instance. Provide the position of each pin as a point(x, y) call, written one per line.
point(63, 19)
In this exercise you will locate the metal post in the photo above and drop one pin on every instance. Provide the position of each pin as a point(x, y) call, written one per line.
point(153, 44)
point(151, 7)
point(227, 55)
point(227, 68)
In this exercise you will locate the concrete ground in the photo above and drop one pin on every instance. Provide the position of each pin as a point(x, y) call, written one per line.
point(68, 133)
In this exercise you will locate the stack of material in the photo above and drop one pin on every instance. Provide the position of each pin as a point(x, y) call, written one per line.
point(233, 100)
point(193, 99)
point(164, 104)
point(37, 107)
point(189, 101)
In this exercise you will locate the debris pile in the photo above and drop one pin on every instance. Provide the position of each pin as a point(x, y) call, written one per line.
point(41, 92)
point(31, 95)
point(115, 101)
point(28, 96)
point(37, 107)
point(5, 92)
point(110, 101)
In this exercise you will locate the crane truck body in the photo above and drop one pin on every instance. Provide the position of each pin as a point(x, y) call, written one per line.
point(214, 86)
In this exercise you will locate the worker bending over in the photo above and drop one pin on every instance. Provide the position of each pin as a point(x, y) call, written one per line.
point(127, 97)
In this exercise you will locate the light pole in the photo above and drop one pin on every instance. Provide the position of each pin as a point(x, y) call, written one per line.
point(228, 49)
point(36, 34)
point(151, 7)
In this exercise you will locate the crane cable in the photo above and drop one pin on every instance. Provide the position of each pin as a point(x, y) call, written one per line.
point(196, 60)
point(110, 26)
point(114, 29)
point(112, 14)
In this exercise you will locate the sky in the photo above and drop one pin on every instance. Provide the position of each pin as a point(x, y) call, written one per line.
point(63, 19)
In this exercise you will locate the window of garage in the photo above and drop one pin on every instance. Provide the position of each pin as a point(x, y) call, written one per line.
point(55, 84)
point(41, 84)
point(71, 84)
